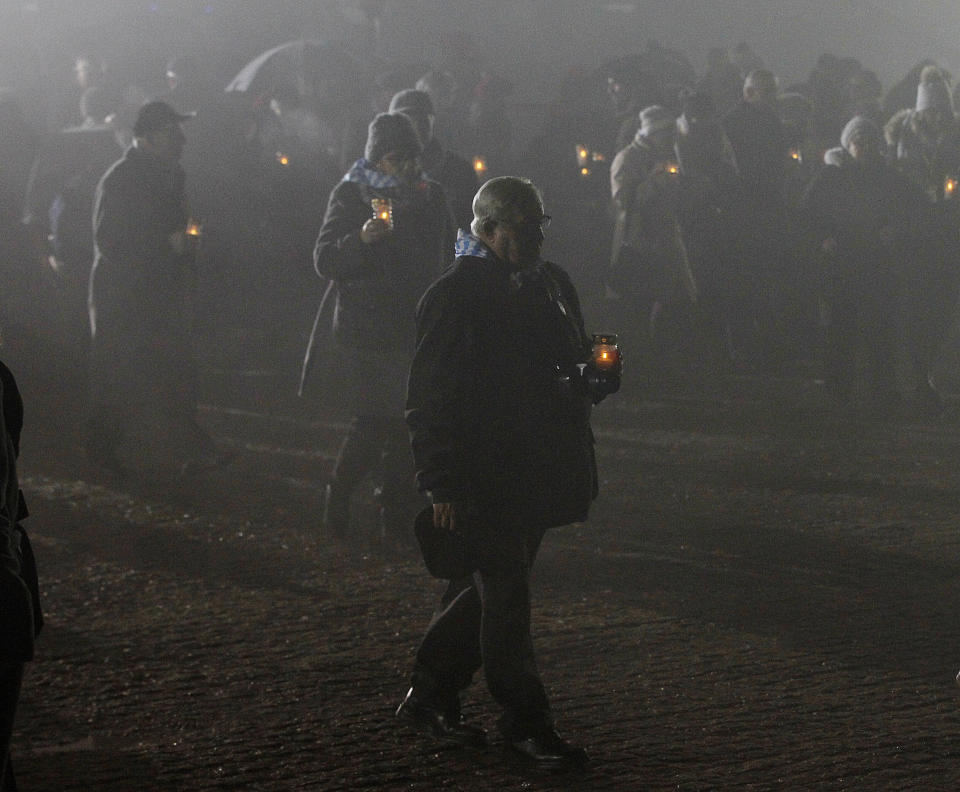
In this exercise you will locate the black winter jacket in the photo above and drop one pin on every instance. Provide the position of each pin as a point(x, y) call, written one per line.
point(494, 423)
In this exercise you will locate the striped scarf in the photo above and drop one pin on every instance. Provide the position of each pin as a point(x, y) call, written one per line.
point(363, 172)
point(469, 245)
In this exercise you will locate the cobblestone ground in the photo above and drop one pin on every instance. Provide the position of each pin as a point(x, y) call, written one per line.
point(765, 598)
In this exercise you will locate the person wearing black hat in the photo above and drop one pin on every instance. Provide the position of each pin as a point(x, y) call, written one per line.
point(451, 171)
point(143, 375)
point(381, 244)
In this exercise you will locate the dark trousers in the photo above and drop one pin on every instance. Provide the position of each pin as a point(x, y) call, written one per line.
point(379, 442)
point(484, 620)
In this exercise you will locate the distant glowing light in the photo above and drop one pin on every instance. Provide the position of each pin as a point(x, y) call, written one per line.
point(283, 159)
point(950, 186)
point(584, 171)
point(479, 165)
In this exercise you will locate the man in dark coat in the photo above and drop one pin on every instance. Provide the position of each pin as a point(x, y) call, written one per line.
point(143, 373)
point(381, 243)
point(450, 170)
point(499, 424)
point(759, 280)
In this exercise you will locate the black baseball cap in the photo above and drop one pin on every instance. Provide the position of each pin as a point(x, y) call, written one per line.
point(154, 116)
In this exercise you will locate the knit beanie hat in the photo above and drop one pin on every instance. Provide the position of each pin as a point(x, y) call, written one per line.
point(391, 132)
point(655, 119)
point(857, 128)
point(412, 101)
point(933, 92)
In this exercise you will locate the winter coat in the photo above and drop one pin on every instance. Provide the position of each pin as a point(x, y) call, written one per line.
point(139, 284)
point(497, 420)
point(760, 145)
point(647, 258)
point(863, 209)
point(368, 312)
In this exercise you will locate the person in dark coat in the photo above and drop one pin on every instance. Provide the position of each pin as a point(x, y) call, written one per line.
point(924, 144)
point(20, 617)
point(764, 271)
point(861, 212)
point(451, 171)
point(501, 438)
point(143, 371)
point(380, 266)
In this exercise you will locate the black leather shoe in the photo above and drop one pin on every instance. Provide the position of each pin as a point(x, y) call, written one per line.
point(449, 727)
point(548, 750)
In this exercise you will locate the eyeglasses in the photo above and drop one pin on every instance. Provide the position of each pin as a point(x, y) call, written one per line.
point(523, 222)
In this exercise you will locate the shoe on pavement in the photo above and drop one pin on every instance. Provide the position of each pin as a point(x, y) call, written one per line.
point(446, 726)
point(548, 750)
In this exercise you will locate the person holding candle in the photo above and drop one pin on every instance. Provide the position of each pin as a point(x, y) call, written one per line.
point(381, 244)
point(143, 369)
point(499, 418)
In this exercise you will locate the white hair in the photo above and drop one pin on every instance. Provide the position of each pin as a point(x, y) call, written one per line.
point(501, 199)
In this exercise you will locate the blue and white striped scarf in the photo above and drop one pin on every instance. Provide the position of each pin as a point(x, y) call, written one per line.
point(363, 172)
point(469, 245)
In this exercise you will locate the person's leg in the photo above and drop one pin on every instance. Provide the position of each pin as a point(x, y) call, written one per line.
point(359, 454)
point(507, 648)
point(449, 654)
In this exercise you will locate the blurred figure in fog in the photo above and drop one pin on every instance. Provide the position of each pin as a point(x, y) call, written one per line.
point(449, 170)
point(630, 88)
point(861, 213)
point(722, 80)
point(57, 212)
point(925, 145)
point(746, 60)
point(19, 279)
point(19, 593)
point(764, 276)
point(489, 122)
point(649, 281)
point(89, 70)
point(143, 368)
point(450, 127)
point(708, 199)
point(380, 264)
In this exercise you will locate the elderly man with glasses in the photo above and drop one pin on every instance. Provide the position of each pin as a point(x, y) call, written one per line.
point(498, 412)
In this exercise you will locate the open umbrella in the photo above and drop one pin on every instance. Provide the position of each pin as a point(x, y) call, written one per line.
point(313, 67)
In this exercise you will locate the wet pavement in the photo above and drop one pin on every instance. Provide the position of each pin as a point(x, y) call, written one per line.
point(764, 598)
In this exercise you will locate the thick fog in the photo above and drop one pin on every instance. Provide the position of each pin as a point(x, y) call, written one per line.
point(527, 41)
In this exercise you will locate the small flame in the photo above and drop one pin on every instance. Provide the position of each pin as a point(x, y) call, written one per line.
point(950, 187)
point(283, 159)
point(584, 171)
point(193, 228)
point(795, 154)
point(671, 168)
point(479, 165)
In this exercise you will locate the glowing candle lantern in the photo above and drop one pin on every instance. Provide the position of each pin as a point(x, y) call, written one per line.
point(383, 210)
point(194, 228)
point(673, 168)
point(283, 159)
point(606, 353)
point(583, 154)
point(584, 171)
point(479, 165)
point(950, 187)
point(795, 155)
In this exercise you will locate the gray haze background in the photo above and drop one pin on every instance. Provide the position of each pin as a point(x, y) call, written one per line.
point(529, 41)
